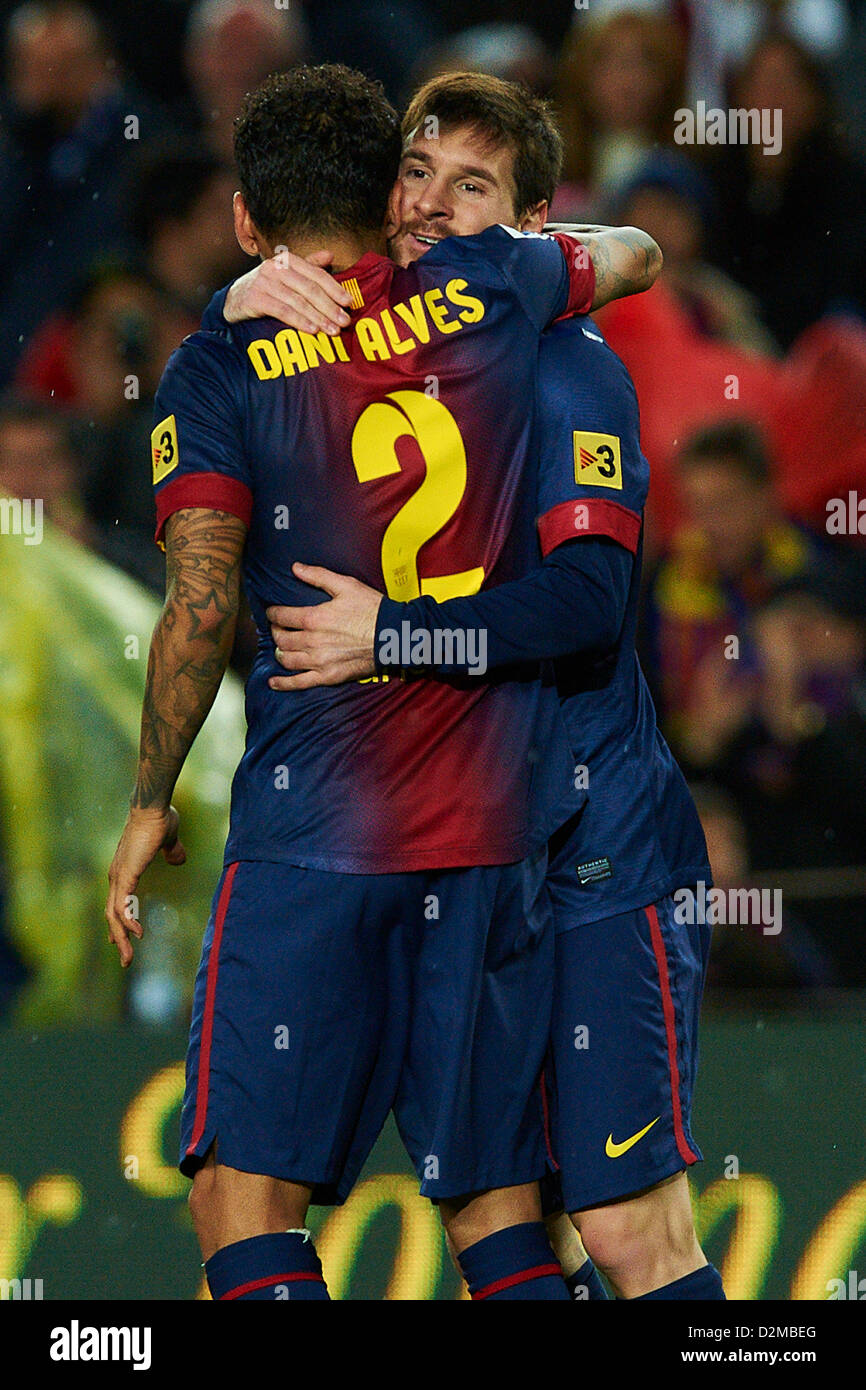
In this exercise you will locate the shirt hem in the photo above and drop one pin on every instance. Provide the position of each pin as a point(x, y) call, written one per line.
point(448, 857)
point(648, 893)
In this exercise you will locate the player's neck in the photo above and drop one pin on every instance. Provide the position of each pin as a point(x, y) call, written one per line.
point(344, 251)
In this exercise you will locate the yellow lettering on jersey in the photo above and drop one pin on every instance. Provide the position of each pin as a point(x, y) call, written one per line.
point(371, 340)
point(414, 317)
point(265, 359)
point(597, 459)
point(317, 347)
point(399, 345)
point(439, 313)
point(473, 309)
point(291, 351)
point(163, 445)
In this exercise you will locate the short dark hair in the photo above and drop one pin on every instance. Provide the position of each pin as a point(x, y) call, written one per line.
point(317, 150)
point(737, 441)
point(503, 113)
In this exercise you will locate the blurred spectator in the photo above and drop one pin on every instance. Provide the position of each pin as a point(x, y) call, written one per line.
point(110, 346)
point(181, 217)
point(71, 126)
point(742, 955)
point(791, 747)
point(510, 51)
point(733, 553)
point(550, 19)
point(387, 39)
point(792, 225)
point(231, 46)
point(672, 201)
point(104, 359)
point(618, 84)
point(721, 32)
point(37, 461)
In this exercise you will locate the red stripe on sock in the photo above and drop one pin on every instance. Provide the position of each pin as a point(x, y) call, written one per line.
point(522, 1277)
point(201, 1095)
point(683, 1147)
point(264, 1283)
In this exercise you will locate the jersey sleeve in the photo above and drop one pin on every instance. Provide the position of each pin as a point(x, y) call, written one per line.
point(197, 444)
point(213, 318)
point(553, 276)
point(593, 479)
point(574, 601)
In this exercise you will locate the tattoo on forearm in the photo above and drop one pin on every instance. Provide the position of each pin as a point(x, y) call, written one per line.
point(191, 646)
point(626, 261)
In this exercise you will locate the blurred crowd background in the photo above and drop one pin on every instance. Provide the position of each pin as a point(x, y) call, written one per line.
point(749, 358)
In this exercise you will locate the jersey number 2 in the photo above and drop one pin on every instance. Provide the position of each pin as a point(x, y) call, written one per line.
point(422, 516)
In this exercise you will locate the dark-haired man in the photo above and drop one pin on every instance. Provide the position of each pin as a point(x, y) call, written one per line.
point(629, 974)
point(732, 553)
point(178, 218)
point(379, 935)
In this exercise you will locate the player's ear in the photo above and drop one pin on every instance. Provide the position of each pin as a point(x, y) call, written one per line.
point(244, 228)
point(534, 218)
point(392, 215)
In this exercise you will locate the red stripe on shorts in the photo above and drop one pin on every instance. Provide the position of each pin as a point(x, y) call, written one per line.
point(201, 1094)
point(685, 1150)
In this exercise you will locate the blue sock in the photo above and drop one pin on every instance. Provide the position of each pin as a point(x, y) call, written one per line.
point(704, 1285)
point(517, 1263)
point(588, 1278)
point(270, 1267)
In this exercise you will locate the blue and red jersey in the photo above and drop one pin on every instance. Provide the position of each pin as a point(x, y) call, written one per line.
point(394, 453)
point(639, 836)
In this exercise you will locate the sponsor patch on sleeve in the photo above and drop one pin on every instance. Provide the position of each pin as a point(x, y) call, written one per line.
point(163, 445)
point(597, 460)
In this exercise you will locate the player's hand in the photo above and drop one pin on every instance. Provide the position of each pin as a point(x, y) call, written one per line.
point(296, 291)
point(147, 831)
point(325, 643)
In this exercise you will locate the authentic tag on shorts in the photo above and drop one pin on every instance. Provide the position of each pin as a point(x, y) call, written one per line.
point(594, 870)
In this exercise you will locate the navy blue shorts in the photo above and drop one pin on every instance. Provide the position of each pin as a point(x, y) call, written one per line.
point(621, 1069)
point(324, 1000)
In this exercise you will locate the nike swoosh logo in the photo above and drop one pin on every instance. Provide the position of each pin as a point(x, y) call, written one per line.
point(617, 1150)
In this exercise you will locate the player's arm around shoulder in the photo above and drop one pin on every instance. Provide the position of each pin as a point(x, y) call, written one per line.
point(188, 657)
point(626, 260)
point(297, 290)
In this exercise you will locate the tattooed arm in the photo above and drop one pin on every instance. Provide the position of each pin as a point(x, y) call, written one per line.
point(626, 260)
point(189, 653)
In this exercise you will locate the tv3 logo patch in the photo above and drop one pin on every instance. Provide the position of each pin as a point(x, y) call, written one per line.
point(597, 460)
point(163, 444)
